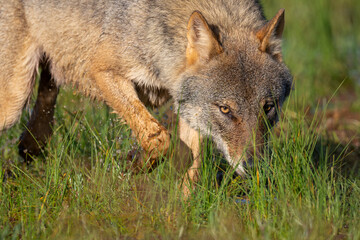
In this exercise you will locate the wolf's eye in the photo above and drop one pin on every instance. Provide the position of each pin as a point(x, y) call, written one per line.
point(268, 107)
point(224, 109)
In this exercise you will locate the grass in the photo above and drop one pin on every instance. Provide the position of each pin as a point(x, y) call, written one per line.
point(303, 188)
point(82, 191)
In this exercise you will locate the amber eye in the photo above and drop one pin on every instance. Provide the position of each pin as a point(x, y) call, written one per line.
point(268, 107)
point(224, 109)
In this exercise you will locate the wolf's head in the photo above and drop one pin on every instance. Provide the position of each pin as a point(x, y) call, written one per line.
point(234, 85)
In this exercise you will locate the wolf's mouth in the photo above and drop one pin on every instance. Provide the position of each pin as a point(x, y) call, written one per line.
point(249, 163)
point(242, 166)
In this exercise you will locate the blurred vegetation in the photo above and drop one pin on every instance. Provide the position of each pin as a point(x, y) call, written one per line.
point(321, 43)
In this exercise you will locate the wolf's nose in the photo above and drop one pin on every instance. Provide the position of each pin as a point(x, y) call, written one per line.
point(249, 163)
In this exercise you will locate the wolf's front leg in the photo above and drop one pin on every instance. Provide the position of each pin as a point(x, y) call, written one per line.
point(120, 94)
point(192, 139)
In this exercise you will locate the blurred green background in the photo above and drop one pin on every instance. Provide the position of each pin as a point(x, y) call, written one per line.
point(321, 45)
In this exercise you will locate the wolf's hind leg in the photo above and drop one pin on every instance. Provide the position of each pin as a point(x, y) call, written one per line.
point(17, 70)
point(39, 127)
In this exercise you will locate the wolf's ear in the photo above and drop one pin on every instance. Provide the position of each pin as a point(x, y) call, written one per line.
point(270, 35)
point(202, 43)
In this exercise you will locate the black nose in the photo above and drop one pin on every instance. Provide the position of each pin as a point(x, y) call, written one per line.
point(249, 163)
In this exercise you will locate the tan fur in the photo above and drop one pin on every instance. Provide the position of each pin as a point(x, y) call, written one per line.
point(15, 93)
point(202, 45)
point(153, 137)
point(274, 27)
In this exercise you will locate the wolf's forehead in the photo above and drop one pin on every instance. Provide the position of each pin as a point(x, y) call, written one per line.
point(248, 77)
point(248, 65)
point(249, 88)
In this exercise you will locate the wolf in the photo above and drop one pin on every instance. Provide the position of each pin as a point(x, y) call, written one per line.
point(220, 62)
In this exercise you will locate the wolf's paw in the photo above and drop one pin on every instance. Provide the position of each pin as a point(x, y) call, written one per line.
point(189, 182)
point(138, 161)
point(28, 148)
